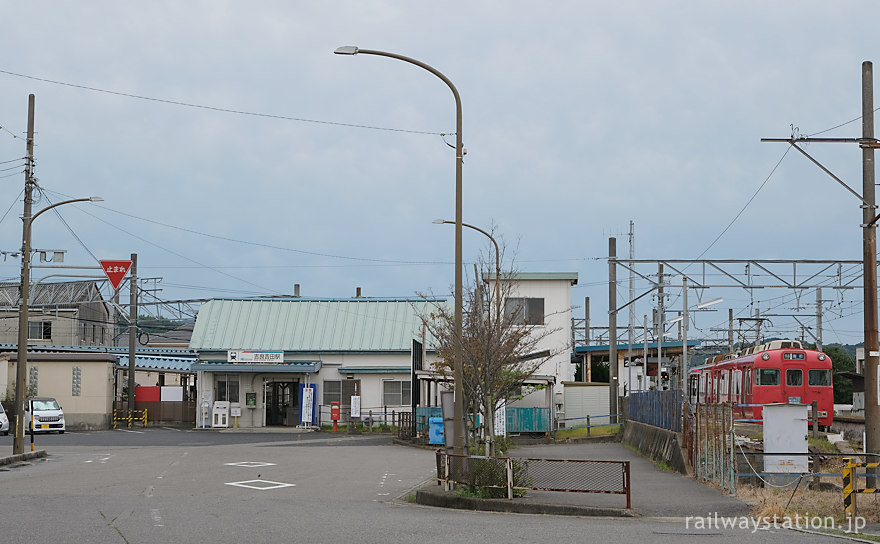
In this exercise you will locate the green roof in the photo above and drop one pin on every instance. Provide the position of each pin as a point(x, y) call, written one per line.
point(310, 325)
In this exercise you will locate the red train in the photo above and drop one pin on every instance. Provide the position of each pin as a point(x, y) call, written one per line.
point(781, 371)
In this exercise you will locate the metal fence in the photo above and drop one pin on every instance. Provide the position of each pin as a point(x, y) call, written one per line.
point(714, 455)
point(658, 408)
point(520, 474)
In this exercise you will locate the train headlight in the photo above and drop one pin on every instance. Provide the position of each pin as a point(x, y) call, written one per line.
point(765, 356)
point(821, 356)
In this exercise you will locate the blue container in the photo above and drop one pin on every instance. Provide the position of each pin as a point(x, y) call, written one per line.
point(435, 431)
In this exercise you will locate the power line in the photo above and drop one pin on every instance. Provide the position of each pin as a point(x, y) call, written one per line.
point(219, 109)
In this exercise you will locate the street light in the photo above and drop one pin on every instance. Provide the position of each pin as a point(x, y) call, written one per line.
point(21, 364)
point(497, 262)
point(458, 371)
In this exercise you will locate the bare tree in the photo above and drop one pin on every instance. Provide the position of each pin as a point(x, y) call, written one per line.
point(499, 345)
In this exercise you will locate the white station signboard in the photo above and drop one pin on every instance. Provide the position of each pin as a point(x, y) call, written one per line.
point(248, 356)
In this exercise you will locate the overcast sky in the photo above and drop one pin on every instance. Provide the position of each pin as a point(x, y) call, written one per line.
point(578, 117)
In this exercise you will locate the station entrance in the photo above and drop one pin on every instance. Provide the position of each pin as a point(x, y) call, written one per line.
point(282, 403)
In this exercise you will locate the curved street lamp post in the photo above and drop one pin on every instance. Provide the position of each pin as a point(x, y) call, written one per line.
point(458, 374)
point(21, 362)
point(497, 262)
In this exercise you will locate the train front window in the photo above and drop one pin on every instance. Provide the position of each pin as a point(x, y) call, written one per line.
point(767, 376)
point(820, 377)
point(794, 377)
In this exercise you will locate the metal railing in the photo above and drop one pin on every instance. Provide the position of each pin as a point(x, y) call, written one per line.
point(589, 422)
point(521, 474)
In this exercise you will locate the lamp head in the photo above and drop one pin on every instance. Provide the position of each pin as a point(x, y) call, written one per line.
point(95, 199)
point(438, 221)
point(346, 50)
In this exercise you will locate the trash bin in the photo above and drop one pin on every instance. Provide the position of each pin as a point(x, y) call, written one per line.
point(435, 431)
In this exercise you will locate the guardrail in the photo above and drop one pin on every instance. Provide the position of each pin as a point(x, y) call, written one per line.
point(520, 474)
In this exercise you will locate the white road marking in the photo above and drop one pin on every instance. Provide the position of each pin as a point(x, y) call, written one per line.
point(157, 519)
point(260, 485)
point(172, 429)
point(130, 431)
point(149, 491)
point(250, 464)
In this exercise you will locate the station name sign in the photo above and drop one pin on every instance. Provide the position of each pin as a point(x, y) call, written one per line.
point(248, 356)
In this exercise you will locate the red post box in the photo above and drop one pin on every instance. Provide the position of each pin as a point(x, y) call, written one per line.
point(334, 413)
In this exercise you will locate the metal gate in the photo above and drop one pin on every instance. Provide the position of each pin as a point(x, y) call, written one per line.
point(713, 445)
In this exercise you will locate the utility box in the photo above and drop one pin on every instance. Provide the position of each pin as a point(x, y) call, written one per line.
point(785, 434)
point(220, 414)
point(435, 431)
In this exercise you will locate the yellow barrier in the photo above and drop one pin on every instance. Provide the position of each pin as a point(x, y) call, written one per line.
point(849, 475)
point(129, 416)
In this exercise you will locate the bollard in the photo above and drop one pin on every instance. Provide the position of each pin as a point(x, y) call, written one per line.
point(588, 425)
point(370, 421)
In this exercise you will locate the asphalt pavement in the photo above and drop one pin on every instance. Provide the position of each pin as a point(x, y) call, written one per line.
point(173, 485)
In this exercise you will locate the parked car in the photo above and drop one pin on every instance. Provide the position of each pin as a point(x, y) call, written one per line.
point(4, 422)
point(47, 415)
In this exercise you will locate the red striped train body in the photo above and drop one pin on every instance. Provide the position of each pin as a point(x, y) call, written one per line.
point(780, 371)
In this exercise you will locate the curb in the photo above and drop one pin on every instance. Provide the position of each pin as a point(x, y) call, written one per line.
point(22, 457)
point(444, 499)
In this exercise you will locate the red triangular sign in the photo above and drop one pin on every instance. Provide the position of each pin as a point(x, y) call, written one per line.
point(115, 271)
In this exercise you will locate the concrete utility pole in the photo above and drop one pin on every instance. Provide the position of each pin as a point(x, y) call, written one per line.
point(132, 329)
point(587, 374)
point(21, 362)
point(684, 335)
point(730, 344)
point(612, 327)
point(867, 143)
point(819, 319)
point(632, 311)
point(869, 242)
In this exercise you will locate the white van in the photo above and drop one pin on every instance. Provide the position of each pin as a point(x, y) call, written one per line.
point(47, 413)
point(4, 422)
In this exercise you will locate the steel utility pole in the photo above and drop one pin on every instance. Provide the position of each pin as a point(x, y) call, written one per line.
point(21, 362)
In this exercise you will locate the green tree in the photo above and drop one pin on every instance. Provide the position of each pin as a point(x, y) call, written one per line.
point(500, 349)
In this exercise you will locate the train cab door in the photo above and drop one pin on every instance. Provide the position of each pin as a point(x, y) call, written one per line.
point(793, 375)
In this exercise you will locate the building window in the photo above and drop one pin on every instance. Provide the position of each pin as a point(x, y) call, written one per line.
point(227, 389)
point(525, 311)
point(396, 393)
point(341, 391)
point(39, 330)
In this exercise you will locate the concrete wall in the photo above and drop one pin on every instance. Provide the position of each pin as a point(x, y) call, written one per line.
point(92, 408)
point(656, 443)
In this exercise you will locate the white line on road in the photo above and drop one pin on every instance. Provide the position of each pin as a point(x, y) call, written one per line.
point(130, 431)
point(157, 519)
